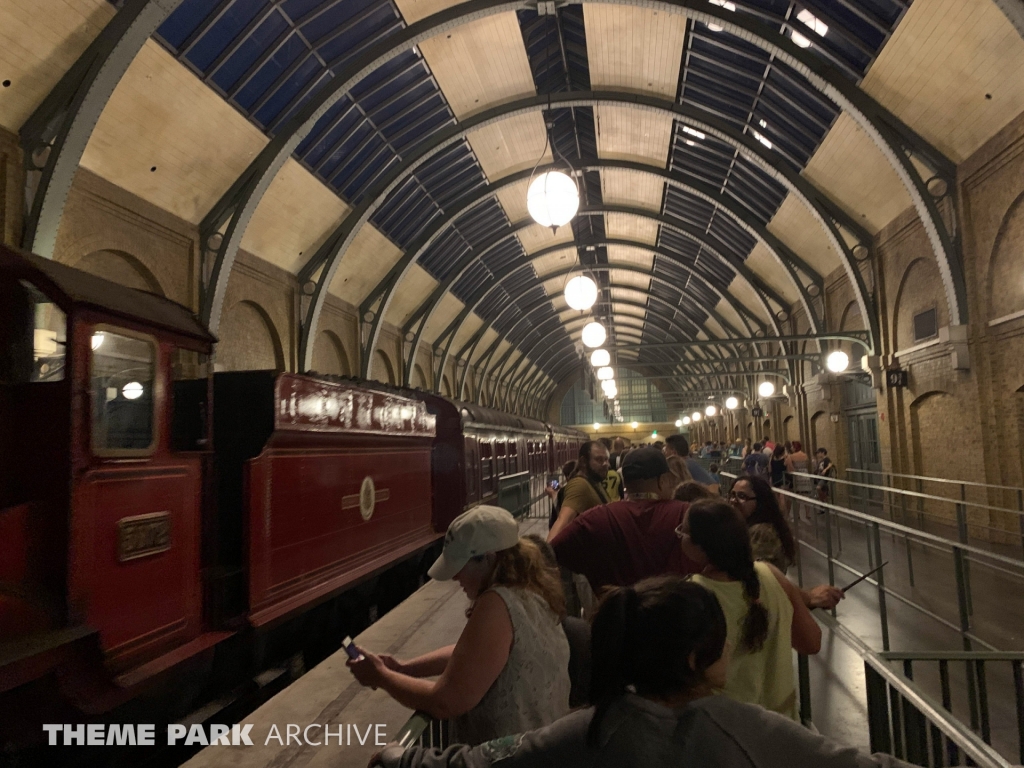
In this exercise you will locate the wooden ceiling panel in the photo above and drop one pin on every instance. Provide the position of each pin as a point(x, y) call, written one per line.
point(39, 41)
point(417, 285)
point(295, 216)
point(628, 133)
point(639, 190)
point(794, 225)
point(634, 49)
point(632, 279)
point(364, 265)
point(850, 168)
point(629, 294)
point(626, 226)
point(536, 237)
point(746, 297)
point(162, 116)
point(513, 200)
point(471, 326)
point(628, 309)
point(763, 264)
point(447, 309)
point(622, 254)
point(480, 64)
point(725, 310)
point(485, 342)
point(417, 10)
point(552, 262)
point(942, 60)
point(510, 145)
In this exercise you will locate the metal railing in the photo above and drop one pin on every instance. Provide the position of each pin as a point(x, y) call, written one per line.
point(972, 521)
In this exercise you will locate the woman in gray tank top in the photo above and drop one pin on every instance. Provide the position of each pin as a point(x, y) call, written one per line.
point(509, 670)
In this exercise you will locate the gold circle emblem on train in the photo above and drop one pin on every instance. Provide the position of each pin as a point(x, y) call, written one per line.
point(367, 498)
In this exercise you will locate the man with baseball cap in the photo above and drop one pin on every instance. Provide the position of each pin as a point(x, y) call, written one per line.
point(626, 541)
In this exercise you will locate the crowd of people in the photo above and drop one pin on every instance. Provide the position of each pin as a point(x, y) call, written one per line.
point(688, 654)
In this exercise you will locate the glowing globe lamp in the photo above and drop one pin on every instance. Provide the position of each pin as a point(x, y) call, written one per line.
point(600, 357)
point(695, 416)
point(553, 199)
point(605, 373)
point(732, 403)
point(766, 389)
point(581, 292)
point(594, 334)
point(838, 361)
point(710, 411)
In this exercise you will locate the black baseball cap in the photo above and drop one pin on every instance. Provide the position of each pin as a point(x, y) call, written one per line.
point(644, 464)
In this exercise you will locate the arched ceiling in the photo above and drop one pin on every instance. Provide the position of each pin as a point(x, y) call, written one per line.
point(730, 155)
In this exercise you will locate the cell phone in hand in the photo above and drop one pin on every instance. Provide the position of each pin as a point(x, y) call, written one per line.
point(554, 485)
point(350, 648)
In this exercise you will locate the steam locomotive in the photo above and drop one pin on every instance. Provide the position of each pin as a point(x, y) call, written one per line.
point(162, 526)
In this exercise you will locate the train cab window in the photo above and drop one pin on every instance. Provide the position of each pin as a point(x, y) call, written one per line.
point(486, 469)
point(189, 391)
point(123, 375)
point(513, 458)
point(33, 335)
point(499, 452)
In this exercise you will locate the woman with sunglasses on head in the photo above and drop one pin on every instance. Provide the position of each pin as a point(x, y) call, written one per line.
point(770, 536)
point(765, 612)
point(660, 653)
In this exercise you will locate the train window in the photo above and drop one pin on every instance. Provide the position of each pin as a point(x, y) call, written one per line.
point(189, 390)
point(123, 376)
point(33, 335)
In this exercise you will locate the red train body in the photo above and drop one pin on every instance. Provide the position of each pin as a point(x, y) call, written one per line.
point(153, 514)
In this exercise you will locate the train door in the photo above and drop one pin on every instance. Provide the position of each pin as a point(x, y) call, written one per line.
point(472, 470)
point(488, 484)
point(136, 520)
point(860, 411)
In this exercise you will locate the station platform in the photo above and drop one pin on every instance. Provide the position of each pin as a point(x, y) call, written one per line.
point(431, 617)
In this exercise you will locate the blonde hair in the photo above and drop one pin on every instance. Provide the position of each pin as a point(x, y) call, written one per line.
point(525, 566)
point(677, 465)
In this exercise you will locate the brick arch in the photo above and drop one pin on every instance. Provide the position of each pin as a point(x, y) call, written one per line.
point(935, 423)
point(385, 367)
point(330, 356)
point(249, 341)
point(1005, 290)
point(912, 297)
point(120, 267)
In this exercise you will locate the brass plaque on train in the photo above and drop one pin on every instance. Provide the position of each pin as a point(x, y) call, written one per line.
point(143, 535)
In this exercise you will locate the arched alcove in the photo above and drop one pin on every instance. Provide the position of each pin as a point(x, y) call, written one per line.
point(916, 295)
point(1005, 286)
point(937, 429)
point(446, 387)
point(383, 370)
point(122, 268)
point(248, 340)
point(419, 378)
point(329, 355)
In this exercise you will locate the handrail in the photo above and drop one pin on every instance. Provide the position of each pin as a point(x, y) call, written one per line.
point(912, 494)
point(413, 728)
point(972, 744)
point(888, 525)
point(936, 479)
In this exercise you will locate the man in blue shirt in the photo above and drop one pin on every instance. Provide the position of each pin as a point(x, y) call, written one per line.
point(677, 445)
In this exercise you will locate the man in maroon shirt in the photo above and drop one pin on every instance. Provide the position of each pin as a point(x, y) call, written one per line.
point(626, 541)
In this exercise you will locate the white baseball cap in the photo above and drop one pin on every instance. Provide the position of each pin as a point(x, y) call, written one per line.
point(475, 532)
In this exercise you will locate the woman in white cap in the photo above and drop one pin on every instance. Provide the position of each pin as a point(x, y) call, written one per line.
point(508, 672)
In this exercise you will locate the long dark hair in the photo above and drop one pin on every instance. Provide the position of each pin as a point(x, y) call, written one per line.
point(768, 511)
point(643, 636)
point(719, 530)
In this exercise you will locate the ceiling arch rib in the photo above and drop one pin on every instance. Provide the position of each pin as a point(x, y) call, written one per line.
point(55, 136)
point(764, 37)
point(451, 332)
point(419, 319)
point(823, 210)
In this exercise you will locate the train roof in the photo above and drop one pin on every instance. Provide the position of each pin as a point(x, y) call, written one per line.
point(482, 416)
point(70, 287)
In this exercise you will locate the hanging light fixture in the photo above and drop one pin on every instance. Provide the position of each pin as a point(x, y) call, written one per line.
point(607, 384)
point(553, 199)
point(837, 361)
point(594, 334)
point(600, 357)
point(605, 373)
point(580, 292)
point(679, 422)
point(710, 411)
point(766, 389)
point(132, 390)
point(686, 420)
point(732, 403)
point(610, 392)
point(695, 417)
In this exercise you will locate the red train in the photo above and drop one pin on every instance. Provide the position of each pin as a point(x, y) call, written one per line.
point(160, 524)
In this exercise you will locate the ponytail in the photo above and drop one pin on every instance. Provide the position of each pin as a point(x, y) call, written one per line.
point(611, 667)
point(645, 638)
point(721, 532)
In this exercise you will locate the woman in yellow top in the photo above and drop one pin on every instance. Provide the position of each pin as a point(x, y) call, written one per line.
point(765, 612)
